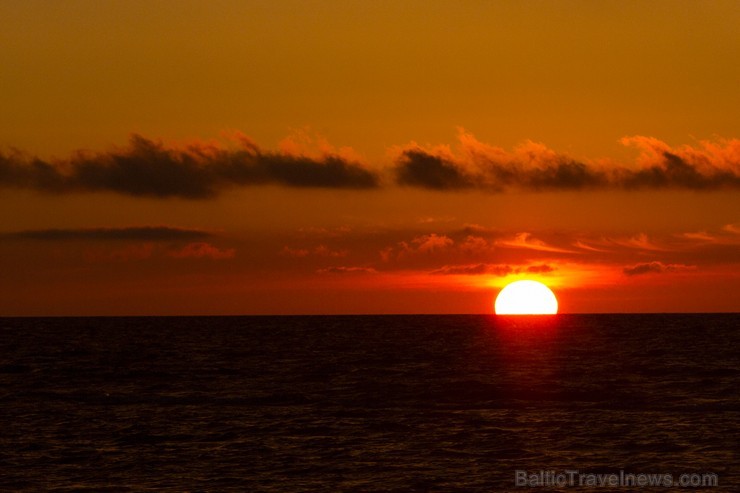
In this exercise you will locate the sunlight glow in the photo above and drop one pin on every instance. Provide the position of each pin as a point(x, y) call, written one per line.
point(526, 298)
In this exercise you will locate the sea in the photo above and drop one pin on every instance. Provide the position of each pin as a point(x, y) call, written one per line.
point(418, 403)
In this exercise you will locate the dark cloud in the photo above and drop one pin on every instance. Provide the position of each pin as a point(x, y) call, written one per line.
point(478, 230)
point(418, 168)
point(565, 175)
point(426, 170)
point(145, 233)
point(655, 268)
point(676, 172)
point(534, 167)
point(540, 269)
point(491, 269)
point(148, 169)
point(474, 270)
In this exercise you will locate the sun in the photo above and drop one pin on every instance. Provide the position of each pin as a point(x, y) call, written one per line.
point(526, 298)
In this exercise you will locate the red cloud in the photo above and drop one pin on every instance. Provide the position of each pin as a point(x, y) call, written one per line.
point(432, 242)
point(474, 270)
point(347, 270)
point(137, 251)
point(319, 251)
point(499, 270)
point(526, 241)
point(203, 250)
point(655, 268)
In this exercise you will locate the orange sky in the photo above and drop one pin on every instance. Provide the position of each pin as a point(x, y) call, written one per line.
point(233, 157)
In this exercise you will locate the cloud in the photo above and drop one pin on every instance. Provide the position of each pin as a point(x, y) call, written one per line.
point(712, 165)
point(294, 252)
point(702, 236)
point(531, 166)
point(499, 270)
point(202, 250)
point(474, 270)
point(534, 167)
point(475, 245)
point(432, 242)
point(149, 169)
point(639, 241)
point(433, 219)
point(131, 252)
point(419, 168)
point(324, 251)
point(477, 229)
point(526, 241)
point(319, 251)
point(142, 233)
point(312, 231)
point(584, 246)
point(655, 268)
point(423, 244)
point(347, 270)
point(540, 269)
point(456, 247)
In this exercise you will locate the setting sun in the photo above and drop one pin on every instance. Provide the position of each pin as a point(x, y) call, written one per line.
point(526, 298)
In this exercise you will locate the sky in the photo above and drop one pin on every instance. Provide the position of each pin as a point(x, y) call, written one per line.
point(298, 157)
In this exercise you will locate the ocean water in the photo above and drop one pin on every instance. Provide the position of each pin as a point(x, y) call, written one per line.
point(366, 403)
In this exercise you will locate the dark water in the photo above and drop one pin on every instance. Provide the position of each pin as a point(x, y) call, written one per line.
point(391, 403)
